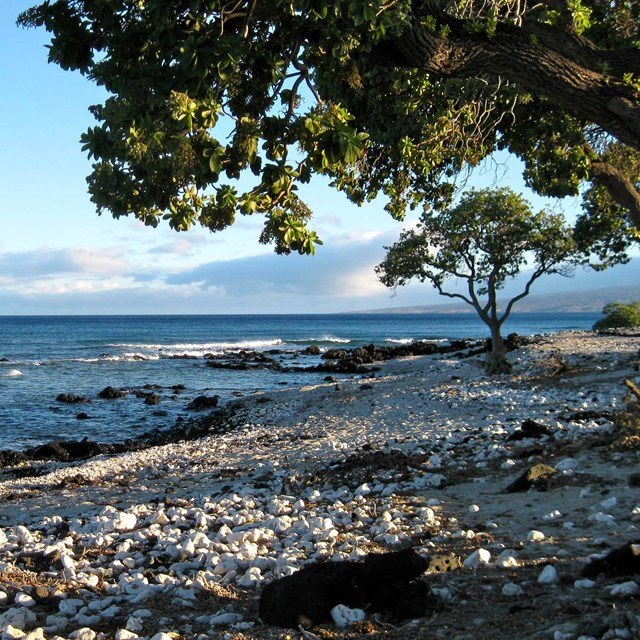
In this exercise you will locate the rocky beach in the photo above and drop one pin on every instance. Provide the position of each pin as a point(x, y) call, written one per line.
point(508, 487)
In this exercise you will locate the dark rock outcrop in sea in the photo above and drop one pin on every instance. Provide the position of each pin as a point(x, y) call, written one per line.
point(111, 393)
point(71, 398)
point(222, 419)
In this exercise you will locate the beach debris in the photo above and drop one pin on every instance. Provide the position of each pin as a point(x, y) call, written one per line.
point(441, 563)
point(535, 476)
point(381, 583)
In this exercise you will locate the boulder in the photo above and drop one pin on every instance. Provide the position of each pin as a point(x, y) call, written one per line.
point(621, 561)
point(111, 393)
point(65, 450)
point(71, 398)
point(535, 476)
point(9, 458)
point(203, 402)
point(530, 429)
point(383, 583)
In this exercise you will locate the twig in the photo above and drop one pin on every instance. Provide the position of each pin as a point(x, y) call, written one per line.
point(633, 388)
point(307, 634)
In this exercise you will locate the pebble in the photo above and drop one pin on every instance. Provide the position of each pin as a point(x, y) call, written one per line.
point(567, 464)
point(511, 589)
point(343, 616)
point(477, 559)
point(625, 589)
point(24, 600)
point(549, 575)
point(584, 583)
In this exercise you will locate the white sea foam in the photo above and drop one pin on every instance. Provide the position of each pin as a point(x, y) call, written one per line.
point(200, 348)
point(335, 339)
point(13, 373)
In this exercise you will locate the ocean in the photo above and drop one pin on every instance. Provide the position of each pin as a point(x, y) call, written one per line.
point(44, 356)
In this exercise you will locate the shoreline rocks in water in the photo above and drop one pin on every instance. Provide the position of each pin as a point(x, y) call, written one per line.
point(341, 361)
point(181, 540)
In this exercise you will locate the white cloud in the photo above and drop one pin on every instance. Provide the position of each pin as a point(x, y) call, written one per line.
point(337, 270)
point(182, 246)
point(45, 262)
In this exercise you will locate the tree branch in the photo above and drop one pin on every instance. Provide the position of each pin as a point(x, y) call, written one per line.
point(539, 58)
point(507, 312)
point(460, 296)
point(621, 189)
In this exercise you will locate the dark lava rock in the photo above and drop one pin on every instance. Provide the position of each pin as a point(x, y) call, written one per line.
point(535, 476)
point(9, 458)
point(71, 398)
point(203, 402)
point(49, 451)
point(65, 450)
point(83, 416)
point(530, 429)
point(621, 561)
point(152, 399)
point(312, 350)
point(383, 583)
point(111, 393)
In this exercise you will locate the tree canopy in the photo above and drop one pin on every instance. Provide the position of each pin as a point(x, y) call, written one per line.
point(488, 238)
point(619, 315)
point(393, 97)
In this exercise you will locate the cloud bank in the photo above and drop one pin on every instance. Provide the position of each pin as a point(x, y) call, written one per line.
point(339, 278)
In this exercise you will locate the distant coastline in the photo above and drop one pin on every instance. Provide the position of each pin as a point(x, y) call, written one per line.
point(585, 301)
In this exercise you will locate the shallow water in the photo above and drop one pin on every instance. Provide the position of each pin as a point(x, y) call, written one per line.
point(42, 357)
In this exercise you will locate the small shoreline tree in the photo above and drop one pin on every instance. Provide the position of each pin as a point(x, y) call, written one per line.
point(619, 315)
point(490, 236)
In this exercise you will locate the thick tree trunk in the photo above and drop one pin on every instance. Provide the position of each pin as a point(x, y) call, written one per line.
point(541, 59)
point(497, 361)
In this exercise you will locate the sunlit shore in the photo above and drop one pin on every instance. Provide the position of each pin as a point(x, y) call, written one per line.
point(181, 538)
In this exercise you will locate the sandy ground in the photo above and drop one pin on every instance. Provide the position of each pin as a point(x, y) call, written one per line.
point(429, 433)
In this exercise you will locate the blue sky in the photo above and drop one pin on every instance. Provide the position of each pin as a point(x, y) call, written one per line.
point(58, 256)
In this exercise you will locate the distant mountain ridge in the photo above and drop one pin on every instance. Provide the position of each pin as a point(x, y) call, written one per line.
point(569, 301)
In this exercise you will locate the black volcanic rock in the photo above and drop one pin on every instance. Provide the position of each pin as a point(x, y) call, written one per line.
point(384, 583)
